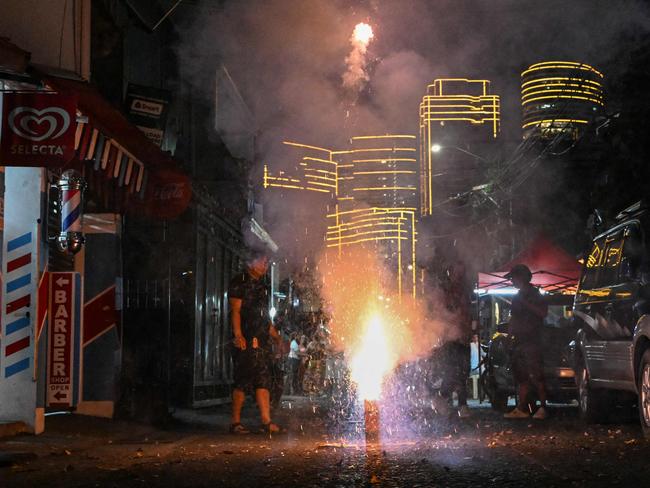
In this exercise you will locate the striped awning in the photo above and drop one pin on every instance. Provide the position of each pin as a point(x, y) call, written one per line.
point(108, 142)
point(109, 156)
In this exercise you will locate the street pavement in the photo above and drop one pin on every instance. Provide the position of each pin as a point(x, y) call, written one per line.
point(196, 450)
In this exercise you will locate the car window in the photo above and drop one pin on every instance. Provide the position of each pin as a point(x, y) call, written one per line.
point(609, 271)
point(634, 255)
point(615, 259)
point(593, 264)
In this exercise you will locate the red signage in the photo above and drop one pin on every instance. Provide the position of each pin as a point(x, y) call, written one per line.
point(37, 129)
point(60, 356)
point(168, 193)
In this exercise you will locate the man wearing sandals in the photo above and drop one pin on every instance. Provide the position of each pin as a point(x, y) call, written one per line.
point(248, 297)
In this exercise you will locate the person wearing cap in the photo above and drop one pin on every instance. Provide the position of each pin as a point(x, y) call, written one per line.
point(527, 314)
point(253, 330)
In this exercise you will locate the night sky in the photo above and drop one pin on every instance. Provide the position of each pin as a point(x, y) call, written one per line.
point(288, 56)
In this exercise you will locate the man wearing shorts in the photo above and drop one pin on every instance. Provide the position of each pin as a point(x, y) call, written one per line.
point(248, 297)
point(527, 314)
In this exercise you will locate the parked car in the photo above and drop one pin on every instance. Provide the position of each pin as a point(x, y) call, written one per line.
point(612, 356)
point(497, 378)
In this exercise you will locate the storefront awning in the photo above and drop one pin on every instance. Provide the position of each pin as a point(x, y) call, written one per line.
point(119, 151)
point(554, 270)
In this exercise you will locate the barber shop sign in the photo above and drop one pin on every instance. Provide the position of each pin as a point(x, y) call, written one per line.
point(37, 129)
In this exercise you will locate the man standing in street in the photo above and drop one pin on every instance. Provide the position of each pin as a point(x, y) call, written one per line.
point(248, 297)
point(526, 321)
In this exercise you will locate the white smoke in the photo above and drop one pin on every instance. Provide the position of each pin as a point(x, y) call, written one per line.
point(356, 76)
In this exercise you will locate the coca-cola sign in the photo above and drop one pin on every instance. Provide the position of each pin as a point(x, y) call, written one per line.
point(37, 129)
point(168, 194)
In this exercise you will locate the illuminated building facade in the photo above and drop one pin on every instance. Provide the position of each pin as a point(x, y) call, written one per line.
point(456, 116)
point(560, 96)
point(374, 187)
point(377, 202)
point(314, 171)
point(378, 171)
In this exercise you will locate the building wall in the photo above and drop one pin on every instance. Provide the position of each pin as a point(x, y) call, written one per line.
point(56, 33)
point(22, 357)
point(372, 189)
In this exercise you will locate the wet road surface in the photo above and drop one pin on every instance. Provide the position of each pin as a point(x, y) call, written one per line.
point(484, 450)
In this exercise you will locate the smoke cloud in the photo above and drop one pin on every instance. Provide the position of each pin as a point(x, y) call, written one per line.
point(355, 77)
point(288, 59)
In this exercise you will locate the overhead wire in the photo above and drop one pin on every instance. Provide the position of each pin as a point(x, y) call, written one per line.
point(521, 175)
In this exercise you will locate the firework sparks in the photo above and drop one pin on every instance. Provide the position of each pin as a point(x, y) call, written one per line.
point(372, 361)
point(356, 76)
point(370, 365)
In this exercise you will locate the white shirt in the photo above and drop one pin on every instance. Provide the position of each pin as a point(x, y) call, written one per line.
point(476, 354)
point(293, 350)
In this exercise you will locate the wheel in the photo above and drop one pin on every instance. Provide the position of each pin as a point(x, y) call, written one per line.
point(644, 393)
point(499, 400)
point(593, 402)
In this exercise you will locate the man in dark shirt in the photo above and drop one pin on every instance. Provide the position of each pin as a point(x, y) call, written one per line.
point(248, 297)
point(527, 314)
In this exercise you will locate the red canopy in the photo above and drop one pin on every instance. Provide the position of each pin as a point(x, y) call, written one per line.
point(166, 189)
point(553, 268)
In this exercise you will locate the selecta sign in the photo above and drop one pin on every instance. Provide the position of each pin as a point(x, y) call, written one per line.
point(37, 129)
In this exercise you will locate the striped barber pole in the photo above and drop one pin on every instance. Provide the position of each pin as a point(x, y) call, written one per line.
point(71, 210)
point(17, 322)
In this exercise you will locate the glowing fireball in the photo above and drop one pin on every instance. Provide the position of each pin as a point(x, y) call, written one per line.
point(363, 33)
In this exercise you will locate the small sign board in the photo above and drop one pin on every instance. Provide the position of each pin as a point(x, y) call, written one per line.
point(147, 108)
point(37, 129)
point(63, 339)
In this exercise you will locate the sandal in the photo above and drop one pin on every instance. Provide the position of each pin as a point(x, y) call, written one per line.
point(272, 428)
point(238, 429)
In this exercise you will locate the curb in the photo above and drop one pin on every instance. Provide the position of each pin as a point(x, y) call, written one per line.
point(9, 429)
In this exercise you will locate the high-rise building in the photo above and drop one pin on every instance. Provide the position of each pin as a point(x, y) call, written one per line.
point(374, 187)
point(378, 171)
point(560, 96)
point(377, 202)
point(457, 117)
point(313, 170)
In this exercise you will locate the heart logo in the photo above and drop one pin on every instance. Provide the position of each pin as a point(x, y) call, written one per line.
point(38, 125)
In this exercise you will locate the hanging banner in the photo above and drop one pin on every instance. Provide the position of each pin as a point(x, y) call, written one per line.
point(37, 129)
point(64, 339)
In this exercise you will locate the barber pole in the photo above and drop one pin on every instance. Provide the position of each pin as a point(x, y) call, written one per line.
point(71, 187)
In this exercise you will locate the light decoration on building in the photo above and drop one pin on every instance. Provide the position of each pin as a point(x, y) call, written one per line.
point(560, 96)
point(315, 171)
point(451, 103)
point(376, 226)
point(374, 184)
